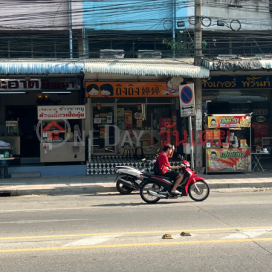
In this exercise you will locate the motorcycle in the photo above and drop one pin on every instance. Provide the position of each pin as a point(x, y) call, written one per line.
point(129, 178)
point(156, 187)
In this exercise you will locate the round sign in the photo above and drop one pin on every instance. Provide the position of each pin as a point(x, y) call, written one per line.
point(186, 95)
point(260, 119)
point(255, 125)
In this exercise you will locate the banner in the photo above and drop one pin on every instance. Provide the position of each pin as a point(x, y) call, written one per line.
point(260, 131)
point(132, 89)
point(228, 121)
point(61, 112)
point(228, 159)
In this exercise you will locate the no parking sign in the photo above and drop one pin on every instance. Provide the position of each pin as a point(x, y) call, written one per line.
point(187, 100)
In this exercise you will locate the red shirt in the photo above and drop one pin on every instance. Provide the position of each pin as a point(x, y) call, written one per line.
point(163, 163)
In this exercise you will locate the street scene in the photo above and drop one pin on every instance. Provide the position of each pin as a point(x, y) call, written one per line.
point(135, 135)
point(230, 231)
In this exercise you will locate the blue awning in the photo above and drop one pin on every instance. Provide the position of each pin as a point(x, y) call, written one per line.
point(32, 67)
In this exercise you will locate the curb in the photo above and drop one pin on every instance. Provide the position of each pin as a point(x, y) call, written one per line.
point(76, 190)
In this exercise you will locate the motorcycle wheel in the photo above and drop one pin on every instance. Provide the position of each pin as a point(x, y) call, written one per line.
point(199, 191)
point(122, 188)
point(146, 196)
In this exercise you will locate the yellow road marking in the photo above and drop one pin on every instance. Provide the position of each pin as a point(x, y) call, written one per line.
point(135, 245)
point(127, 233)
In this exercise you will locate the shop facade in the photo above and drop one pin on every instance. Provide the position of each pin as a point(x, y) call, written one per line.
point(126, 119)
point(241, 95)
point(24, 100)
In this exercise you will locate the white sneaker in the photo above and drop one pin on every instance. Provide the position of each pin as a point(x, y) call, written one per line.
point(175, 192)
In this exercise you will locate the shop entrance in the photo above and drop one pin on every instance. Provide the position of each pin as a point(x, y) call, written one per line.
point(27, 116)
point(103, 115)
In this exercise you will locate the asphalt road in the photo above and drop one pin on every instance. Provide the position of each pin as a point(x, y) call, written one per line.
point(230, 231)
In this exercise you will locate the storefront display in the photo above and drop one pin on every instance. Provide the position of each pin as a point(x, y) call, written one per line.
point(58, 127)
point(12, 137)
point(229, 147)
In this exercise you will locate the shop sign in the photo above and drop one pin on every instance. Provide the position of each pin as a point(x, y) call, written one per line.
point(11, 123)
point(228, 121)
point(241, 82)
point(228, 159)
point(131, 89)
point(260, 112)
point(70, 84)
point(61, 112)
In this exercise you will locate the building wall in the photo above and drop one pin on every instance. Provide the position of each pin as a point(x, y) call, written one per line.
point(252, 14)
point(132, 15)
point(34, 15)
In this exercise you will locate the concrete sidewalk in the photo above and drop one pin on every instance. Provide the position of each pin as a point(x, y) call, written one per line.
point(63, 185)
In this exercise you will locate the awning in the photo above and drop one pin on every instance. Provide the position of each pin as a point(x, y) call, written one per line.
point(237, 64)
point(147, 67)
point(32, 67)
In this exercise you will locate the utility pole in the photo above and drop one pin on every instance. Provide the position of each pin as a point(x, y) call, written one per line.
point(174, 28)
point(198, 84)
point(70, 29)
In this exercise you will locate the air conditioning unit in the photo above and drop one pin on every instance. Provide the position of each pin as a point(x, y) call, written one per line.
point(149, 54)
point(112, 53)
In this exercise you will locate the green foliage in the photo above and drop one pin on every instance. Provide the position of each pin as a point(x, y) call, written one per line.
point(182, 48)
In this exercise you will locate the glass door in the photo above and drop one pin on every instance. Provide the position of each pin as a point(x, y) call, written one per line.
point(103, 130)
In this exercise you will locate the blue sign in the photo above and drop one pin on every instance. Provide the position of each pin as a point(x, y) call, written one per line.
point(239, 82)
point(186, 95)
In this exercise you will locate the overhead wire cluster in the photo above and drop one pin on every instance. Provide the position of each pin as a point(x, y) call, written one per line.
point(40, 28)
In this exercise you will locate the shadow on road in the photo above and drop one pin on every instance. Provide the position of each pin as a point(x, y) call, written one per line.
point(139, 204)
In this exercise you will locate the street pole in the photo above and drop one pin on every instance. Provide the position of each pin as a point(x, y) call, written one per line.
point(174, 28)
point(70, 29)
point(198, 84)
point(191, 143)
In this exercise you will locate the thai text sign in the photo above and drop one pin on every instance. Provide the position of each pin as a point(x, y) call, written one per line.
point(228, 159)
point(131, 89)
point(240, 82)
point(61, 112)
point(39, 84)
point(229, 121)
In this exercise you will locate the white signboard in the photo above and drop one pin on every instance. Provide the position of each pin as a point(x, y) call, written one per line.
point(11, 123)
point(61, 112)
point(187, 100)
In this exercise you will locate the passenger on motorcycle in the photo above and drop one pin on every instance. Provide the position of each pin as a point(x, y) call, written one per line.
point(165, 167)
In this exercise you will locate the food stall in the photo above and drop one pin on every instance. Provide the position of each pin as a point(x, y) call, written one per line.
point(228, 143)
point(58, 127)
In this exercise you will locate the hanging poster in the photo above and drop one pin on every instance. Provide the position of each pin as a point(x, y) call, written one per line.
point(128, 120)
point(260, 131)
point(139, 123)
point(102, 133)
point(109, 119)
point(97, 120)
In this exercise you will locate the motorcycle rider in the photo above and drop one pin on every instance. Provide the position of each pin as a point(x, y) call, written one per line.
point(165, 167)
